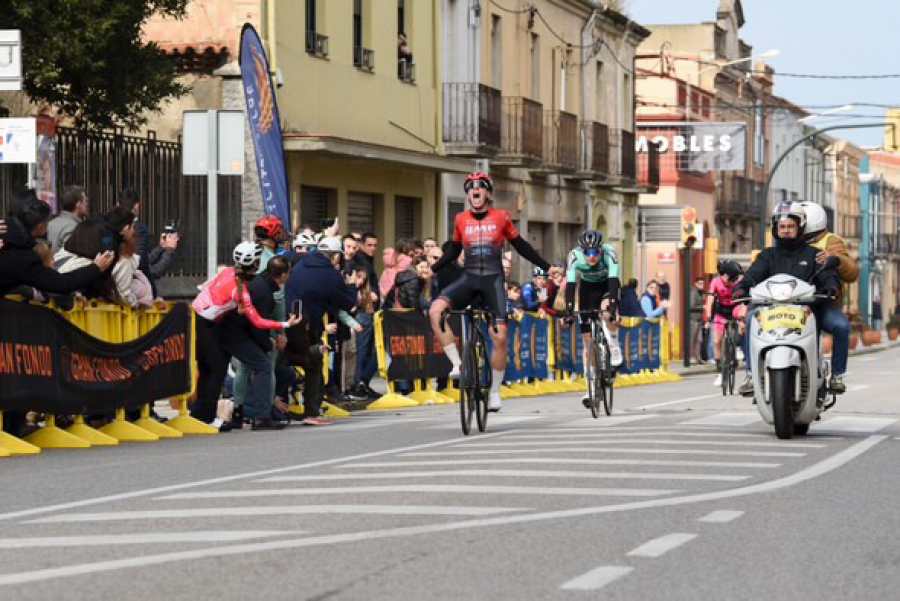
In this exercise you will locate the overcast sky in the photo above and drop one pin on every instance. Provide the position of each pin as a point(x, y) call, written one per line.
point(814, 36)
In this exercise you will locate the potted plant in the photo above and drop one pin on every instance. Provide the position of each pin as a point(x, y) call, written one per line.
point(856, 328)
point(893, 328)
point(871, 337)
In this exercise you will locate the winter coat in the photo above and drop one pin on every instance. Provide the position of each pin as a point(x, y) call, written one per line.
point(321, 288)
point(60, 228)
point(19, 265)
point(798, 261)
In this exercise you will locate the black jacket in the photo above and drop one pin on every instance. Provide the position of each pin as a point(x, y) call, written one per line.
point(799, 262)
point(19, 265)
point(448, 274)
point(262, 292)
point(322, 289)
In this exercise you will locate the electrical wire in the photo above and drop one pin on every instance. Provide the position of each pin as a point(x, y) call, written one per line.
point(512, 11)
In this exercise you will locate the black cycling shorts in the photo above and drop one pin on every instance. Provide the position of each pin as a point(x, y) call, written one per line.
point(590, 295)
point(484, 291)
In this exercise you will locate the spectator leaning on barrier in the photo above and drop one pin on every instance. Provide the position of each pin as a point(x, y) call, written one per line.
point(74, 211)
point(651, 307)
point(132, 286)
point(320, 287)
point(630, 306)
point(19, 264)
point(366, 365)
point(450, 272)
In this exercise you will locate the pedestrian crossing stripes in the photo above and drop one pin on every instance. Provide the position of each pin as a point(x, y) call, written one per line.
point(513, 473)
point(725, 419)
point(549, 460)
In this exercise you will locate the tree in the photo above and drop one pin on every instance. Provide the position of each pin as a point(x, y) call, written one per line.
point(86, 57)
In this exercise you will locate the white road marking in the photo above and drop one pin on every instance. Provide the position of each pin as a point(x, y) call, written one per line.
point(339, 427)
point(625, 432)
point(427, 488)
point(662, 545)
point(11, 515)
point(143, 538)
point(725, 419)
point(857, 387)
point(848, 424)
point(596, 578)
point(591, 441)
point(553, 461)
point(610, 421)
point(263, 510)
point(721, 516)
point(632, 451)
point(497, 420)
point(679, 401)
point(818, 469)
point(513, 474)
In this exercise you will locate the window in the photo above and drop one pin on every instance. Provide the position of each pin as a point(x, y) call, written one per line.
point(759, 150)
point(363, 58)
point(316, 43)
point(564, 80)
point(682, 95)
point(401, 17)
point(406, 217)
point(627, 99)
point(496, 52)
point(406, 64)
point(706, 104)
point(315, 205)
point(535, 67)
point(599, 113)
point(361, 209)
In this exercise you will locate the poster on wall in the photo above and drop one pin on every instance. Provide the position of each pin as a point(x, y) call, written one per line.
point(45, 175)
point(701, 146)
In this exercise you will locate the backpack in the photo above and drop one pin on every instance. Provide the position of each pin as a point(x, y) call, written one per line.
point(407, 290)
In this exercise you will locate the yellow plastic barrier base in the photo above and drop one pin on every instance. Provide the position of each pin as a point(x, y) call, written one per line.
point(92, 435)
point(186, 424)
point(328, 410)
point(391, 400)
point(52, 437)
point(506, 392)
point(4, 452)
point(17, 446)
point(430, 397)
point(125, 431)
point(451, 393)
point(154, 427)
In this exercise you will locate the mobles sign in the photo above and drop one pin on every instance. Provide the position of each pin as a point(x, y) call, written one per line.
point(704, 146)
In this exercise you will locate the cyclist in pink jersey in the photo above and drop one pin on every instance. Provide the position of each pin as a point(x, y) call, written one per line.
point(720, 306)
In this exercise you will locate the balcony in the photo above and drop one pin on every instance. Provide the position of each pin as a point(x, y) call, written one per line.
point(629, 166)
point(317, 44)
point(850, 227)
point(406, 70)
point(364, 59)
point(521, 133)
point(886, 244)
point(593, 155)
point(472, 118)
point(560, 151)
point(741, 198)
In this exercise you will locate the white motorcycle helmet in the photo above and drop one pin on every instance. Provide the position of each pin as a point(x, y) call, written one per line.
point(306, 240)
point(816, 219)
point(331, 245)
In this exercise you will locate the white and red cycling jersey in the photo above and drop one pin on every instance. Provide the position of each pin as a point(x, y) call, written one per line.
point(219, 296)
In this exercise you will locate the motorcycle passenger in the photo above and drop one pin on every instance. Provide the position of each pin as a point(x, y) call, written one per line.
point(834, 321)
point(789, 255)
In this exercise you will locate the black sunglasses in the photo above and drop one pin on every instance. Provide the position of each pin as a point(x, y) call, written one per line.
point(478, 183)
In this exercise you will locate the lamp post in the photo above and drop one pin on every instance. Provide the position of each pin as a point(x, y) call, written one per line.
point(764, 208)
point(767, 54)
point(840, 109)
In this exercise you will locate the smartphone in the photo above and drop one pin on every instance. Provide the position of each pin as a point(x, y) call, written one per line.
point(297, 307)
point(171, 227)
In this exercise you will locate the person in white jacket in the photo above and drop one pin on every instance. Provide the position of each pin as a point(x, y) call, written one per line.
point(132, 286)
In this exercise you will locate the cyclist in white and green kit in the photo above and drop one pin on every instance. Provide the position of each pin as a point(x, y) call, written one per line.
point(597, 266)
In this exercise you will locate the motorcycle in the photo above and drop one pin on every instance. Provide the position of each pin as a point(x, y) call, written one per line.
point(790, 374)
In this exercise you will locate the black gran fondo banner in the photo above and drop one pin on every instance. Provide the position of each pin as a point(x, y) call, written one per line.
point(411, 346)
point(47, 364)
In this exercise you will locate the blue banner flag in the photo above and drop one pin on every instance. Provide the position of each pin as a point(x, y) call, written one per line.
point(540, 340)
point(513, 363)
point(526, 346)
point(265, 126)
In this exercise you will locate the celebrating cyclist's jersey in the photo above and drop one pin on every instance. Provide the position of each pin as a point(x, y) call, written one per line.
point(482, 236)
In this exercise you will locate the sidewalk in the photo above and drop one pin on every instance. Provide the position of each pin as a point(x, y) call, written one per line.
point(677, 367)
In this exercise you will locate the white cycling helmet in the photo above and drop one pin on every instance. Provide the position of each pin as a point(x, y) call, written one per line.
point(330, 245)
point(306, 240)
point(816, 218)
point(247, 254)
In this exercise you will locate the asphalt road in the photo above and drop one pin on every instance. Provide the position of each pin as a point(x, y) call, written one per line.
point(682, 494)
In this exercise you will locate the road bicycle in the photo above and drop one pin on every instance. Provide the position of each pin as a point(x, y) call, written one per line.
point(475, 374)
point(729, 363)
point(600, 374)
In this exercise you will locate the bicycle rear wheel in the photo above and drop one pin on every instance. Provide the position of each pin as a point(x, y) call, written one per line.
point(726, 364)
point(467, 389)
point(483, 381)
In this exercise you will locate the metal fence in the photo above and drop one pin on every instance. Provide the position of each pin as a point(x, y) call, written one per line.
point(105, 163)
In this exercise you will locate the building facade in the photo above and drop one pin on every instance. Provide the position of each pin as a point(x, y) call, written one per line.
point(845, 160)
point(541, 94)
point(882, 236)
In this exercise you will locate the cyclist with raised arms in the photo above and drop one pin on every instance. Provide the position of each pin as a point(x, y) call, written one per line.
point(597, 266)
point(481, 232)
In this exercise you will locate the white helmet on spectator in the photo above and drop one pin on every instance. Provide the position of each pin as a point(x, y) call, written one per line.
point(247, 254)
point(306, 240)
point(330, 245)
point(816, 219)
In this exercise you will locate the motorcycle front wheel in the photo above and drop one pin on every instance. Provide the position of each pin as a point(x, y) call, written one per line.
point(781, 394)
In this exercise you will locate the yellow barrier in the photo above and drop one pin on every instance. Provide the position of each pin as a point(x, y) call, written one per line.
point(115, 324)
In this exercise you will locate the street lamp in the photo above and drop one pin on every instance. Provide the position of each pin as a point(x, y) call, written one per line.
point(840, 109)
point(767, 54)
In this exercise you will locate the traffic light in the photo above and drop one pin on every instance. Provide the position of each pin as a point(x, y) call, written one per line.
point(689, 229)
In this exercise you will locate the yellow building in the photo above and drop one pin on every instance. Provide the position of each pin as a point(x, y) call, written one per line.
point(541, 93)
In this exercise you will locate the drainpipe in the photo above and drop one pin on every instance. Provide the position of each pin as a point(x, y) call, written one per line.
point(270, 36)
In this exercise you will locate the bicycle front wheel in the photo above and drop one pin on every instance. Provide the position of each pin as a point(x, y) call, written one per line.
point(598, 389)
point(483, 380)
point(608, 378)
point(467, 389)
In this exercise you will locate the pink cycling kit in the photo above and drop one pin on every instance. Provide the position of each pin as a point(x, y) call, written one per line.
point(220, 296)
point(724, 305)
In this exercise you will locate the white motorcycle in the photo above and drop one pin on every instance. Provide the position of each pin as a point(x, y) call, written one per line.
point(790, 376)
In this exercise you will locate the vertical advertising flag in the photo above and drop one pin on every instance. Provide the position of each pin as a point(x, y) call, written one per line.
point(265, 126)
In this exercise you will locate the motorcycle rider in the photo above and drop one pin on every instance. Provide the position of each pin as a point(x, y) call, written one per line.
point(834, 321)
point(789, 255)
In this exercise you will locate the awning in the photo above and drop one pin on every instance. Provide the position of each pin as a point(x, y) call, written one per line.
point(332, 146)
